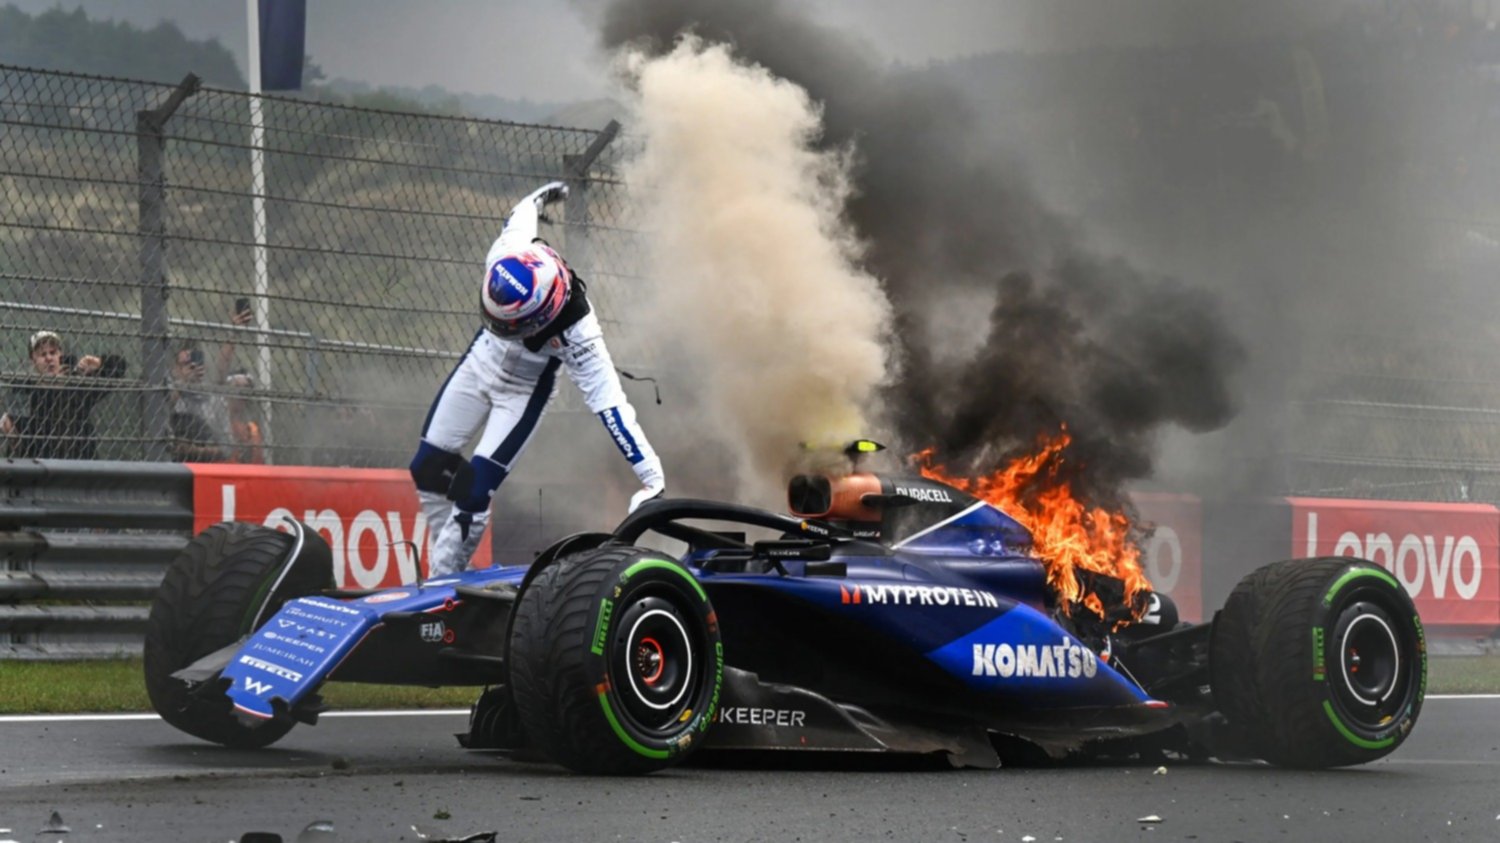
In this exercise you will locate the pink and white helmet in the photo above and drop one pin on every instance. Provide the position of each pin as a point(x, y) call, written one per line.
point(524, 291)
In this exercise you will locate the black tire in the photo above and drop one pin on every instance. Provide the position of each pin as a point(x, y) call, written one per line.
point(1319, 662)
point(616, 662)
point(213, 594)
point(494, 722)
point(1235, 683)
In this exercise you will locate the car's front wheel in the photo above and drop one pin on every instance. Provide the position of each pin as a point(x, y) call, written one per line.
point(616, 661)
point(228, 580)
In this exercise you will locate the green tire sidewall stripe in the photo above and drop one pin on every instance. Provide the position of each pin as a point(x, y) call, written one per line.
point(1356, 573)
point(624, 736)
point(1363, 743)
point(609, 712)
point(647, 564)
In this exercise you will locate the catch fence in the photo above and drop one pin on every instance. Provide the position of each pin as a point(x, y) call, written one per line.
point(128, 225)
point(132, 224)
point(135, 216)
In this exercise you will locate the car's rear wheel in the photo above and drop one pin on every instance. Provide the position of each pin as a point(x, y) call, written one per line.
point(1320, 662)
point(616, 661)
point(228, 580)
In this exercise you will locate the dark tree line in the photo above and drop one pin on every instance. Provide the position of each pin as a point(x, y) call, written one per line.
point(61, 40)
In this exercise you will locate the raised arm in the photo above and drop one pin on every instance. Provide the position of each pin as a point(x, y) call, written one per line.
point(521, 226)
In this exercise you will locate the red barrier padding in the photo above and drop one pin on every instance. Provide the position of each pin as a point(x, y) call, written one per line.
point(1446, 555)
point(369, 516)
point(1173, 555)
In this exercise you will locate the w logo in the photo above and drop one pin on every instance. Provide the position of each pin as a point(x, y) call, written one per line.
point(256, 687)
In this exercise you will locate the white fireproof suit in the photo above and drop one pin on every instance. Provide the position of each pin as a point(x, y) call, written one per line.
point(505, 386)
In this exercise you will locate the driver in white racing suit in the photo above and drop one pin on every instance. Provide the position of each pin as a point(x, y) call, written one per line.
point(537, 320)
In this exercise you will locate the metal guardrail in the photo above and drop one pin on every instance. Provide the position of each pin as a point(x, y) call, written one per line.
point(98, 494)
point(83, 546)
point(64, 633)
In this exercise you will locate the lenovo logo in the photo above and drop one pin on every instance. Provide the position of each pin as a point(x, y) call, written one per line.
point(370, 547)
point(1424, 562)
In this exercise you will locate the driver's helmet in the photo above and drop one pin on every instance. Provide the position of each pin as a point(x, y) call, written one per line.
point(524, 291)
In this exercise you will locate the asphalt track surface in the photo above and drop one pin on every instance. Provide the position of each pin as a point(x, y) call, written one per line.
point(375, 777)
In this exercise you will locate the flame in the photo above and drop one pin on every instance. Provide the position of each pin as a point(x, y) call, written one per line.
point(1067, 535)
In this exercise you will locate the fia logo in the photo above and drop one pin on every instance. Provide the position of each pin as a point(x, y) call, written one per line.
point(434, 632)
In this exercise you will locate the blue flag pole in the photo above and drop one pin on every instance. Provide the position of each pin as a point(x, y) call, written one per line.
point(283, 38)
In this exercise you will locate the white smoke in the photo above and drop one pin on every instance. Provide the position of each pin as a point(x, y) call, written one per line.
point(753, 268)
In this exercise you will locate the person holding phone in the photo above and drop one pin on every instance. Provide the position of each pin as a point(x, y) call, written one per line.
point(200, 419)
point(201, 424)
point(247, 443)
point(51, 413)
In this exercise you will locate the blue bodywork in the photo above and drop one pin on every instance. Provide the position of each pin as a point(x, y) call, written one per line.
point(311, 639)
point(954, 622)
point(980, 624)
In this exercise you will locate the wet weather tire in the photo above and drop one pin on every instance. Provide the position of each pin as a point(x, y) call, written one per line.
point(1319, 662)
point(616, 662)
point(216, 591)
point(494, 722)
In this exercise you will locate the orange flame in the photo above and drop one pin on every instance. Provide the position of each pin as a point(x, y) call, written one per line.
point(1066, 534)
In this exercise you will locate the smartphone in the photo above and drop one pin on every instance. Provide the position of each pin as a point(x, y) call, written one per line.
point(241, 305)
point(196, 356)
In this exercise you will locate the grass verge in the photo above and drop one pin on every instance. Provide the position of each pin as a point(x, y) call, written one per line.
point(1463, 674)
point(116, 686)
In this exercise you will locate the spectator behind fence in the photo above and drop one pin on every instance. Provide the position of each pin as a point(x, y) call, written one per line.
point(247, 442)
point(50, 414)
point(201, 418)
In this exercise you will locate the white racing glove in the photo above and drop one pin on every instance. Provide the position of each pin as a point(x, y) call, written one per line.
point(644, 495)
point(654, 482)
point(553, 191)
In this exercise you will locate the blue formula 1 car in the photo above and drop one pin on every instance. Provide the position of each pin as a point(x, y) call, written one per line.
point(886, 614)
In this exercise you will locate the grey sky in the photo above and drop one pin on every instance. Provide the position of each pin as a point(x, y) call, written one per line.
point(545, 50)
point(538, 49)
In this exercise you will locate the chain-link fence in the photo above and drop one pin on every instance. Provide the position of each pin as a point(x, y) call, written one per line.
point(1406, 406)
point(297, 306)
point(129, 228)
point(1340, 190)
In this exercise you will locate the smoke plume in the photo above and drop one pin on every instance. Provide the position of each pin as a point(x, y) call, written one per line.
point(757, 271)
point(953, 233)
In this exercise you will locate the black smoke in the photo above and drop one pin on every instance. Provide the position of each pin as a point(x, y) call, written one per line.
point(1048, 362)
point(1074, 338)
